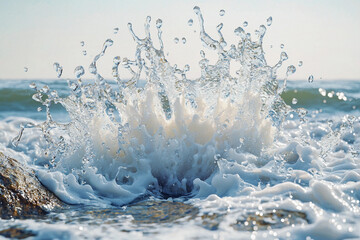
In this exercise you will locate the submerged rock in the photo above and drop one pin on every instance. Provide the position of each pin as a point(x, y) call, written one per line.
point(21, 193)
point(253, 221)
point(163, 212)
point(16, 232)
point(278, 218)
point(145, 212)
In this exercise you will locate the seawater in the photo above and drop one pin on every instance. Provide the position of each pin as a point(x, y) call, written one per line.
point(221, 147)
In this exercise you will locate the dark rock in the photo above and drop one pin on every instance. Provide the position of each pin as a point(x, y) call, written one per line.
point(18, 233)
point(21, 193)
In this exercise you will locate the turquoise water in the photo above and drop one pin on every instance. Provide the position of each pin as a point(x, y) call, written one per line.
point(309, 97)
point(15, 97)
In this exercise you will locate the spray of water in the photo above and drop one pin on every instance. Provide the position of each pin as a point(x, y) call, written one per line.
point(171, 137)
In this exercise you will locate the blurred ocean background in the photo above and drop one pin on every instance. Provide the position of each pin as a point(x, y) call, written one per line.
point(16, 101)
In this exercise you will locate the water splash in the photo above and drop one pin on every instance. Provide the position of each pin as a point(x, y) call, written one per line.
point(58, 69)
point(79, 71)
point(226, 139)
point(190, 22)
point(311, 79)
point(171, 137)
point(290, 70)
point(92, 66)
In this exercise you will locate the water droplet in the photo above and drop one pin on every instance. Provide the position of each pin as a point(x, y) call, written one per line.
point(294, 101)
point(190, 22)
point(159, 23)
point(196, 9)
point(222, 12)
point(183, 40)
point(290, 70)
point(311, 79)
point(92, 68)
point(79, 71)
point(58, 69)
point(39, 109)
point(54, 94)
point(245, 24)
point(26, 69)
point(37, 97)
point(269, 21)
point(283, 56)
point(32, 85)
point(240, 32)
point(176, 40)
point(281, 46)
point(202, 54)
point(84, 52)
point(262, 31)
point(82, 43)
point(108, 42)
point(117, 59)
point(116, 30)
point(300, 63)
point(186, 68)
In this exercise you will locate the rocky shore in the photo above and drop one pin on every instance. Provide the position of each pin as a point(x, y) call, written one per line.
point(21, 193)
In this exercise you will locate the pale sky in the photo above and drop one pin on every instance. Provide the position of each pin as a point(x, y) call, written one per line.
point(324, 34)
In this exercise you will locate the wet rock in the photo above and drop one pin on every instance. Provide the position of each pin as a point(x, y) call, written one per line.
point(21, 193)
point(18, 233)
point(161, 212)
point(278, 218)
point(146, 212)
point(212, 221)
